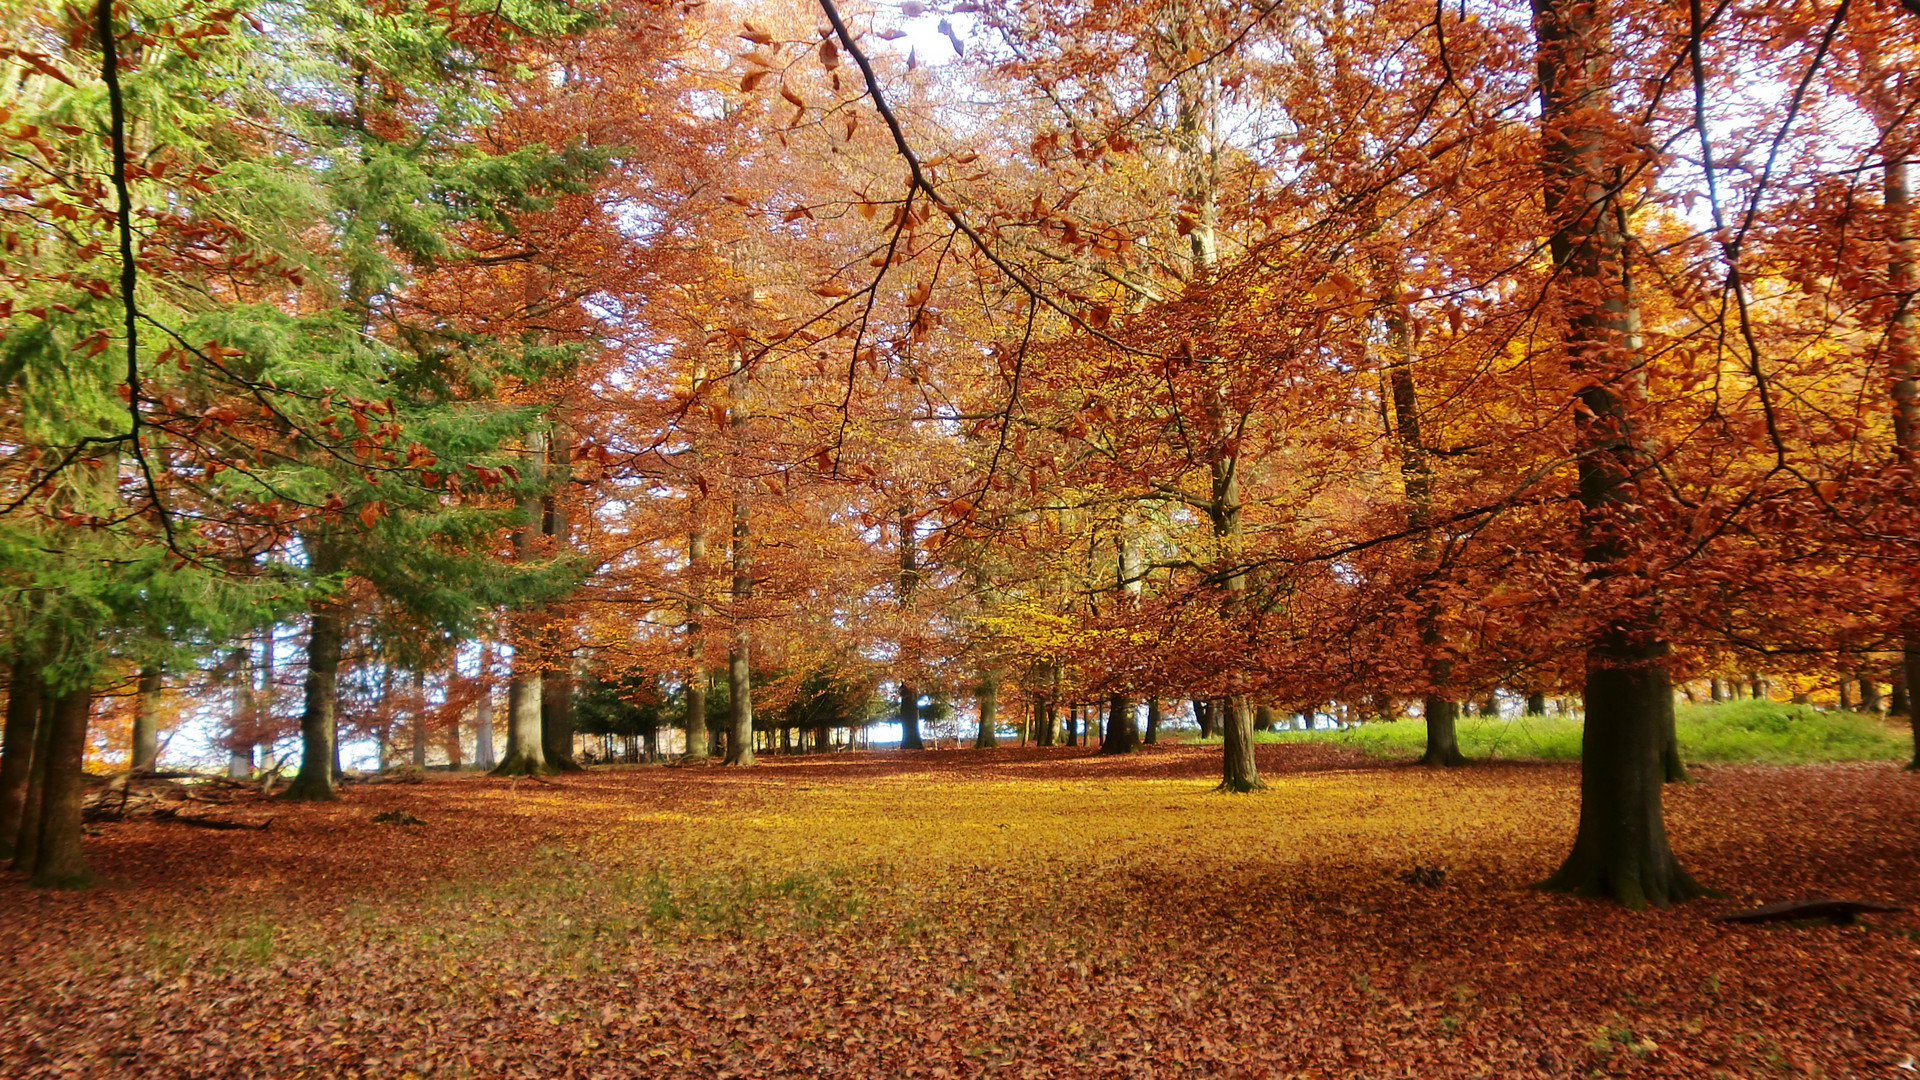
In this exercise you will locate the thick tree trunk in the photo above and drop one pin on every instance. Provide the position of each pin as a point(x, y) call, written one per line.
point(1716, 690)
point(989, 710)
point(318, 750)
point(1897, 702)
point(1443, 740)
point(1152, 736)
point(24, 699)
point(526, 750)
point(1122, 733)
point(1869, 694)
point(57, 858)
point(146, 718)
point(1238, 773)
point(1536, 704)
point(910, 718)
point(556, 718)
point(1263, 718)
point(1042, 722)
point(1621, 847)
point(27, 839)
point(1203, 715)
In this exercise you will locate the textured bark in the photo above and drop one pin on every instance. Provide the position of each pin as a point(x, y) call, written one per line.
point(526, 753)
point(1443, 740)
point(17, 750)
point(318, 750)
point(26, 841)
point(989, 710)
point(1122, 734)
point(1621, 849)
point(1238, 773)
point(58, 861)
point(556, 718)
point(146, 719)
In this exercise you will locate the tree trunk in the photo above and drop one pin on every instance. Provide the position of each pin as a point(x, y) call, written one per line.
point(909, 579)
point(1621, 849)
point(1443, 739)
point(1536, 704)
point(1042, 722)
point(57, 859)
point(146, 719)
point(989, 710)
point(1910, 653)
point(24, 697)
point(556, 718)
point(483, 713)
point(526, 750)
point(1672, 768)
point(1263, 718)
point(318, 749)
point(418, 729)
point(1897, 701)
point(1869, 693)
point(1122, 734)
point(1152, 736)
point(26, 841)
point(739, 669)
point(699, 742)
point(1203, 715)
point(1716, 690)
point(1238, 773)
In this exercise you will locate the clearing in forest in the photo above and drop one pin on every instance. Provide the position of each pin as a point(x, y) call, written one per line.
point(1013, 913)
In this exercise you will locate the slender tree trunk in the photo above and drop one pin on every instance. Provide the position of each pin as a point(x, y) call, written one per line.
point(24, 697)
point(699, 742)
point(910, 738)
point(739, 668)
point(1869, 693)
point(26, 845)
point(1621, 849)
point(483, 712)
point(418, 729)
point(989, 710)
point(146, 719)
point(1203, 715)
point(1152, 735)
point(326, 635)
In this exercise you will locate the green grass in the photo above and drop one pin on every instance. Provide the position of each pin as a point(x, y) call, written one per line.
point(1736, 731)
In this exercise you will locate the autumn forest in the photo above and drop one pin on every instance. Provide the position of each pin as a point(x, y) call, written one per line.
point(1046, 538)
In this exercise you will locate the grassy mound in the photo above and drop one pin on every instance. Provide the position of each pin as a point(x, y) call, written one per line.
point(1766, 732)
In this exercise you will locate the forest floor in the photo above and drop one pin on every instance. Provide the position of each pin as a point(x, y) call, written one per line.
point(1016, 913)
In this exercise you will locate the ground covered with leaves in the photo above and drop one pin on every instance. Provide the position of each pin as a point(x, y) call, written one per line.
point(1006, 913)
